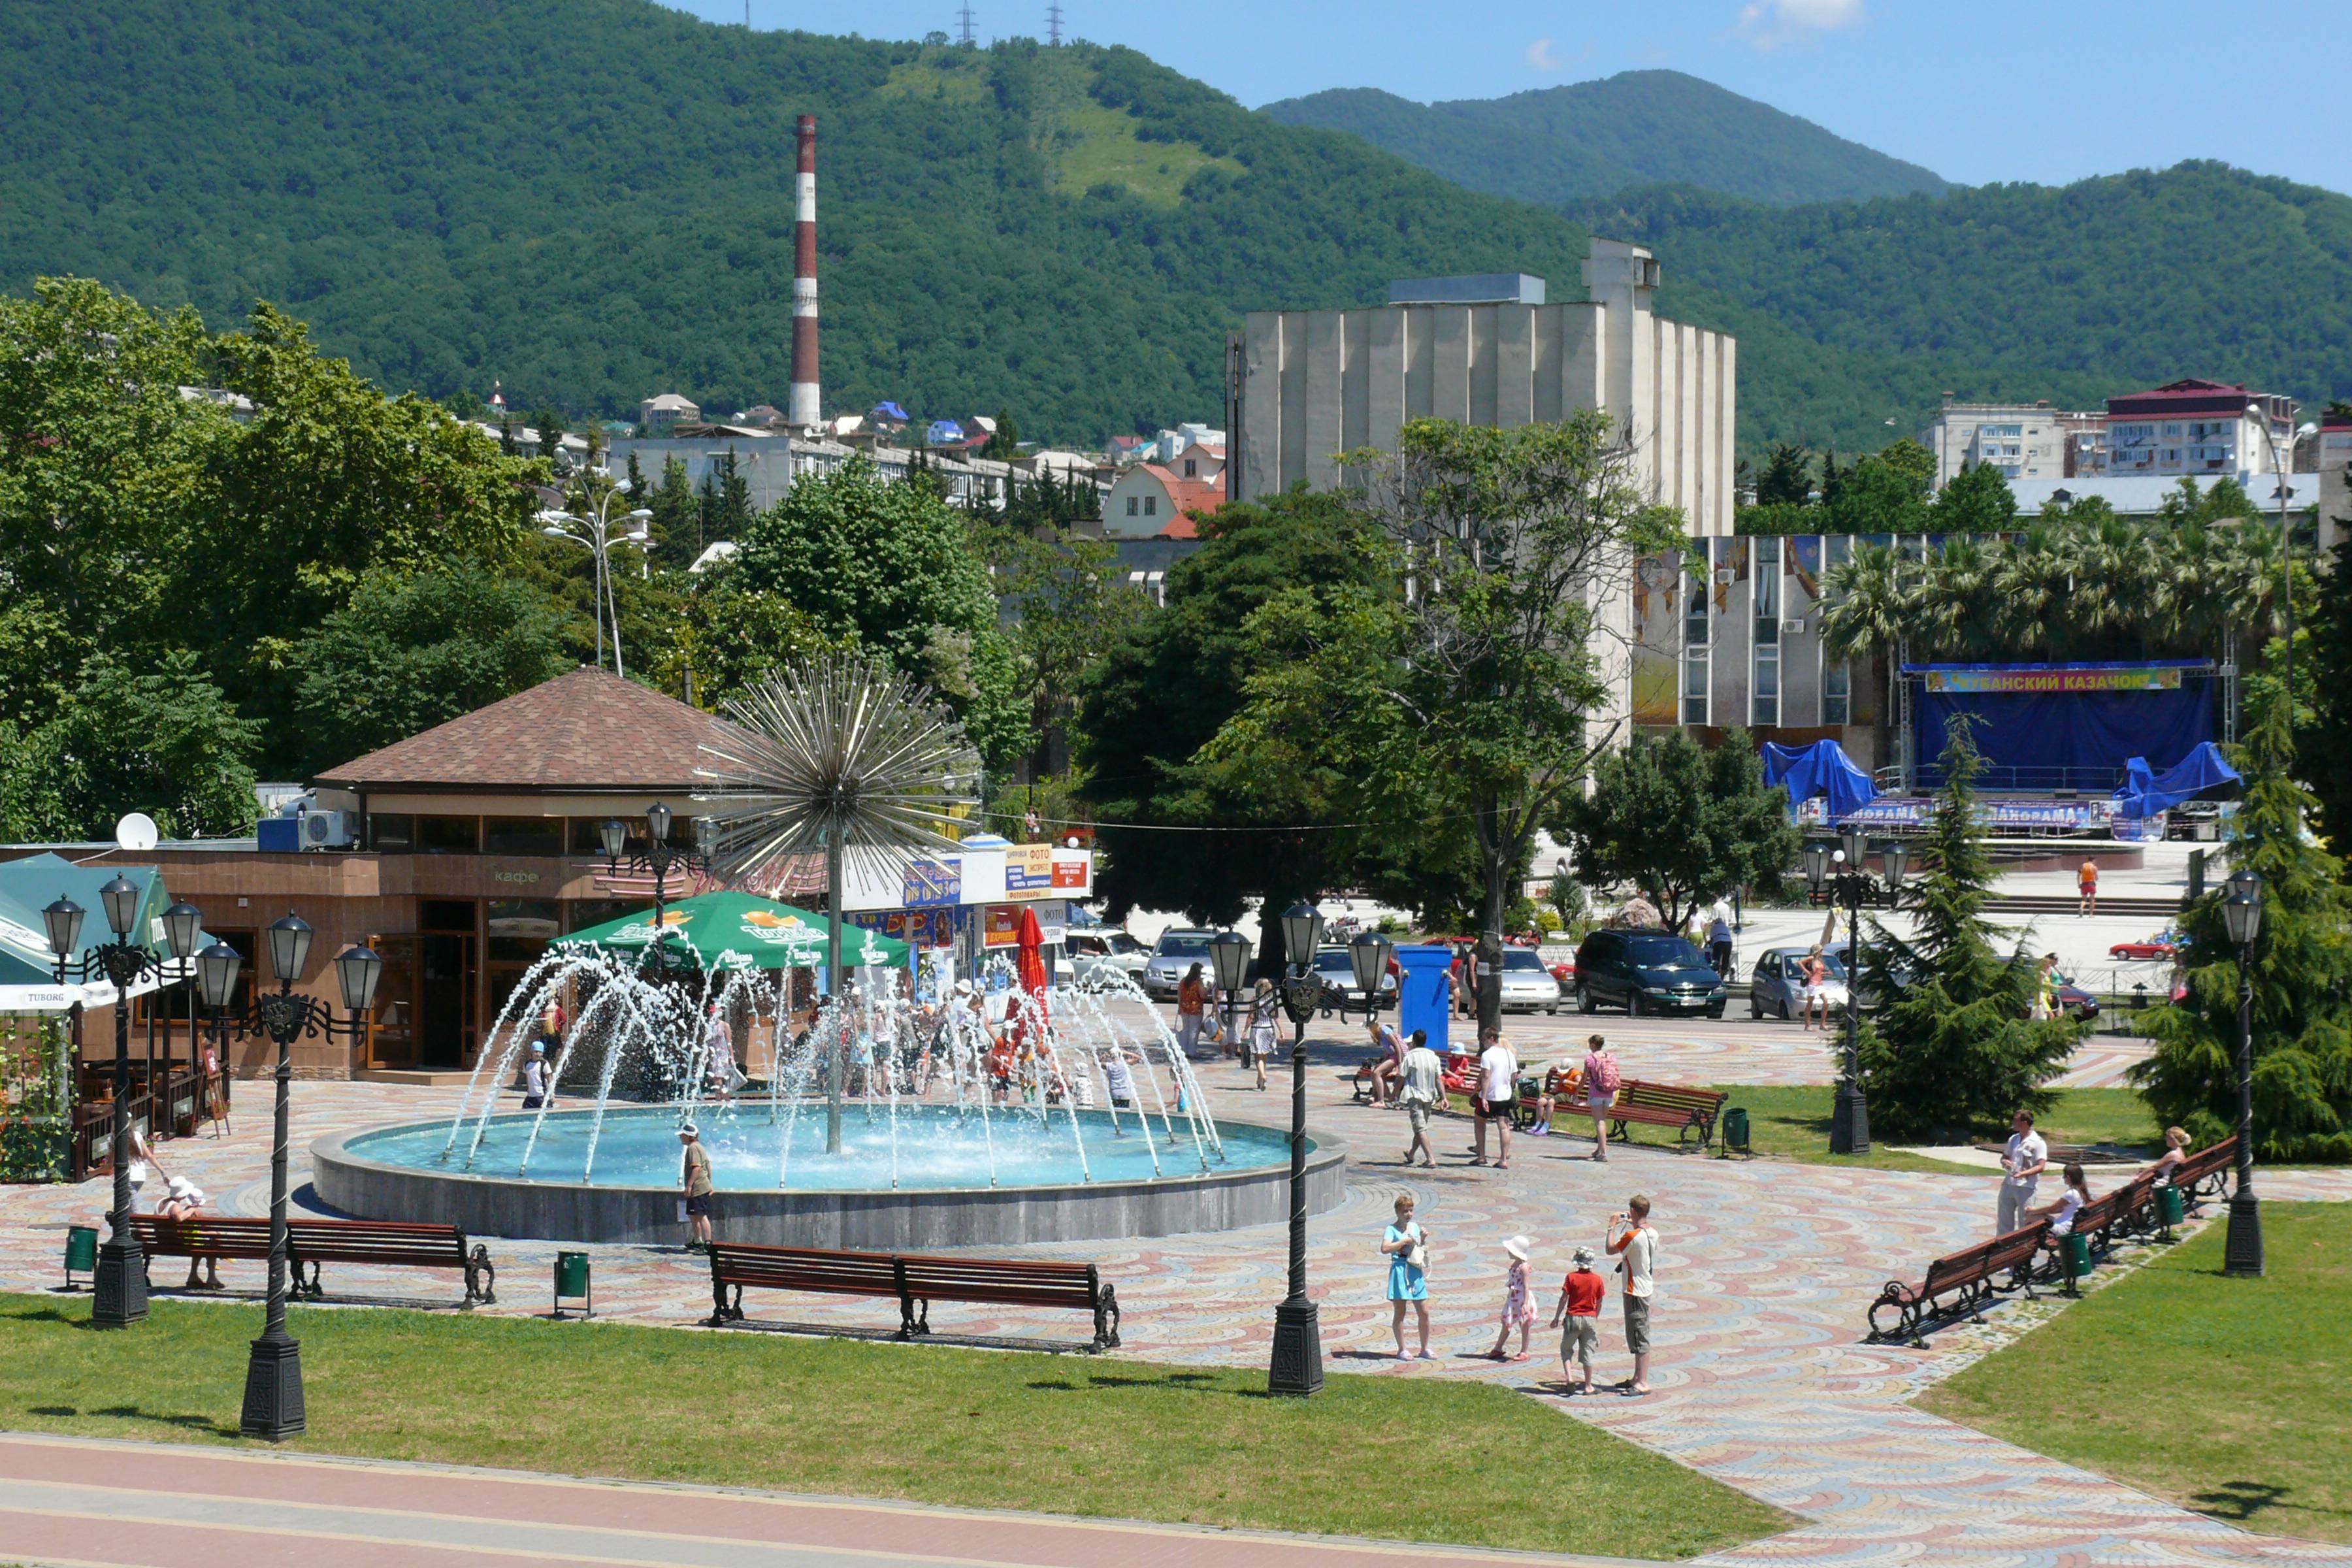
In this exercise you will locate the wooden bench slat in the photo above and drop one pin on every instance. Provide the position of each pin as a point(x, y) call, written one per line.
point(914, 1280)
point(311, 1242)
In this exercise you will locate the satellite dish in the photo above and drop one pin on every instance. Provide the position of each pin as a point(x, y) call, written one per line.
point(136, 832)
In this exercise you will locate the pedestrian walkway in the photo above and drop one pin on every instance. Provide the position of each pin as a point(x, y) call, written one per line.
point(90, 1502)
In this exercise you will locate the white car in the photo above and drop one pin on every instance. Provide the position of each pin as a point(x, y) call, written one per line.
point(1106, 957)
point(1527, 984)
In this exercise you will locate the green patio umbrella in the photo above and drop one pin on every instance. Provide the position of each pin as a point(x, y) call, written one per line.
point(740, 931)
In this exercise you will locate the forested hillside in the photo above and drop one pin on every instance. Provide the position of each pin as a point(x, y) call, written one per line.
point(1560, 144)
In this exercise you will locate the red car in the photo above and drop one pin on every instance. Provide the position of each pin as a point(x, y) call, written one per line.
point(2163, 944)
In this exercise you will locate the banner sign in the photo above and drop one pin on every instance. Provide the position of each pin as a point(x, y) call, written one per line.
point(1001, 927)
point(933, 884)
point(1029, 871)
point(921, 928)
point(2052, 680)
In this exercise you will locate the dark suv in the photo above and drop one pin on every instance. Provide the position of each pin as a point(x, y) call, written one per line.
point(1647, 972)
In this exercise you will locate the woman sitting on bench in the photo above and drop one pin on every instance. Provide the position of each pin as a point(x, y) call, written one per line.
point(1388, 1068)
point(182, 1202)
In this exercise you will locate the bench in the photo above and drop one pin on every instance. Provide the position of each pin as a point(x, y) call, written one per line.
point(2206, 1173)
point(2098, 1222)
point(1683, 1108)
point(913, 1280)
point(311, 1242)
point(1961, 1282)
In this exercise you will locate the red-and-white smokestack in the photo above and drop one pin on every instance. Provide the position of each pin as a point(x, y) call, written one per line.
point(800, 407)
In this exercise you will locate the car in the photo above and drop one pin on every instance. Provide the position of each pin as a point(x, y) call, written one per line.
point(1647, 972)
point(1776, 985)
point(1106, 957)
point(1527, 984)
point(2163, 944)
point(2074, 1000)
point(1172, 956)
point(1336, 968)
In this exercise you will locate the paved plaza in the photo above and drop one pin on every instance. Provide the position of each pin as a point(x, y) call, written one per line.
point(1766, 1268)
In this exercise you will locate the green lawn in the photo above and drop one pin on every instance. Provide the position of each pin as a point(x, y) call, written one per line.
point(1794, 1124)
point(1409, 1457)
point(2224, 1395)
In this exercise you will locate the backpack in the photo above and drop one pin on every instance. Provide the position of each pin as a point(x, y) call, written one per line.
point(1604, 1072)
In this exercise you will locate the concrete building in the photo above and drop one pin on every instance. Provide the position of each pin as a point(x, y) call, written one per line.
point(1151, 501)
point(1312, 384)
point(2331, 452)
point(2193, 427)
point(657, 415)
point(2024, 440)
point(2144, 495)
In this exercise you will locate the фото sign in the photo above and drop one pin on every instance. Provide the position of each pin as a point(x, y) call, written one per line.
point(1029, 871)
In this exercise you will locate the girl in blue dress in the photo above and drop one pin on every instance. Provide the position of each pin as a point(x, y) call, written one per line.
point(1406, 1245)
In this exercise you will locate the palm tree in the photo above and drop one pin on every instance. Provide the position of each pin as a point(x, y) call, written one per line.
point(1870, 602)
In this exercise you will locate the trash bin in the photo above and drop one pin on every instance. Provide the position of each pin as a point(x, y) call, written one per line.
point(572, 1282)
point(1735, 1129)
point(2168, 1205)
point(81, 1252)
point(2078, 1255)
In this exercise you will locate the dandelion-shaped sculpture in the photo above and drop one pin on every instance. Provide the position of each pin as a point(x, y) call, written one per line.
point(836, 754)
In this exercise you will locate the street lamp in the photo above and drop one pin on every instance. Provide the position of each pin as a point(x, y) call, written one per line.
point(273, 1373)
point(2242, 913)
point(1298, 1365)
point(1843, 873)
point(657, 856)
point(1368, 956)
point(118, 1287)
point(1229, 961)
point(2261, 416)
point(596, 533)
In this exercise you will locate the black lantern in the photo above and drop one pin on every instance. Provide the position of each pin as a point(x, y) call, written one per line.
point(1895, 858)
point(2242, 909)
point(183, 924)
point(120, 897)
point(1816, 865)
point(614, 837)
point(217, 968)
point(1302, 933)
point(1856, 845)
point(1368, 956)
point(289, 948)
point(359, 969)
point(658, 817)
point(64, 920)
point(706, 835)
point(1229, 955)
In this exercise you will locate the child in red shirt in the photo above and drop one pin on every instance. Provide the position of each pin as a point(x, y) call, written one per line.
point(1579, 1302)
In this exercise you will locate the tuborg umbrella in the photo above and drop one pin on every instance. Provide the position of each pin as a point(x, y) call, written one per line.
point(738, 931)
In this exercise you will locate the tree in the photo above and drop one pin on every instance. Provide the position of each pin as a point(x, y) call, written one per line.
point(726, 639)
point(1787, 477)
point(891, 566)
point(1069, 599)
point(1511, 537)
point(676, 525)
point(1682, 822)
point(1886, 492)
point(408, 653)
point(1004, 443)
point(2326, 735)
point(162, 740)
point(726, 503)
point(2301, 971)
point(1953, 1050)
point(1977, 500)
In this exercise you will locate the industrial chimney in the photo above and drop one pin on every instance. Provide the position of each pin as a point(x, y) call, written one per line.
point(800, 407)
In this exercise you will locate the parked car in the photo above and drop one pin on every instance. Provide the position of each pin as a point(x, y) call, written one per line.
point(1527, 984)
point(2074, 1000)
point(1175, 953)
point(1776, 988)
point(2163, 944)
point(1647, 972)
point(1104, 957)
point(1336, 968)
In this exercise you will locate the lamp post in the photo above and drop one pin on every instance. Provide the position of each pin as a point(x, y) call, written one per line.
point(2261, 416)
point(1229, 953)
point(1840, 871)
point(1298, 1365)
point(118, 1285)
point(659, 855)
point(2242, 913)
point(596, 534)
point(273, 1373)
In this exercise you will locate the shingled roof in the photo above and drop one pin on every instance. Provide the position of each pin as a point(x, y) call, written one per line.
point(590, 730)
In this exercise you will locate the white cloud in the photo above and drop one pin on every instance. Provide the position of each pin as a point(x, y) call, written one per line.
point(1769, 24)
point(1540, 56)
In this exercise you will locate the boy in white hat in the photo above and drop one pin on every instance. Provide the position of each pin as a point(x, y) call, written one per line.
point(1580, 1303)
point(1519, 1302)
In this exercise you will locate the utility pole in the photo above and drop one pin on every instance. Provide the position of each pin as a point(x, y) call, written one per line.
point(1053, 26)
point(963, 27)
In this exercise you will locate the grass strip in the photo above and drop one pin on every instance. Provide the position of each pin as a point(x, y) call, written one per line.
point(1793, 1123)
point(2221, 1395)
point(1408, 1457)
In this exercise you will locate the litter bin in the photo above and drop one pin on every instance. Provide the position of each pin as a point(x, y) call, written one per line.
point(81, 1252)
point(2168, 1205)
point(1735, 1129)
point(572, 1282)
point(2078, 1255)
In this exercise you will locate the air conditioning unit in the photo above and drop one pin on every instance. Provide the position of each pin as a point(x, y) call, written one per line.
point(329, 829)
point(1723, 576)
point(1792, 628)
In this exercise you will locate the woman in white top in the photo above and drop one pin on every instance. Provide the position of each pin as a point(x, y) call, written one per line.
point(2071, 1199)
point(1265, 1033)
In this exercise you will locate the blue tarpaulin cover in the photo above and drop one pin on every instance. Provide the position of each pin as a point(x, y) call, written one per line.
point(2058, 737)
point(1822, 769)
point(889, 411)
point(2145, 793)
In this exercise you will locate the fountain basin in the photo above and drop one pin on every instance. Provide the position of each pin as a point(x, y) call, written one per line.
point(943, 1199)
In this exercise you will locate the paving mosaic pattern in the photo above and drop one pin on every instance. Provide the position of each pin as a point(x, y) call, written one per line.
point(1765, 1271)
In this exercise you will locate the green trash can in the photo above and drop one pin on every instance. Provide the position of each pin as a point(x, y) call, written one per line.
point(1735, 1129)
point(2078, 1255)
point(81, 1252)
point(572, 1282)
point(2168, 1203)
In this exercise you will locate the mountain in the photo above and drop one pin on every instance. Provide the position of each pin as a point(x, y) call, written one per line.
point(1560, 144)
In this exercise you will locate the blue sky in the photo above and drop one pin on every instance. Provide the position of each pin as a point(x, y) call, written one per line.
point(1998, 90)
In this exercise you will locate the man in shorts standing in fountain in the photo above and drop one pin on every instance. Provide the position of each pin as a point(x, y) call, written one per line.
point(694, 1176)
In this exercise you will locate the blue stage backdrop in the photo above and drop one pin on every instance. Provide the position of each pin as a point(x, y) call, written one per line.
point(2065, 726)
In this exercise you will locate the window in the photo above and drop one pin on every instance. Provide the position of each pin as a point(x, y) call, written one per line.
point(393, 832)
point(1768, 594)
point(2172, 431)
point(523, 835)
point(1764, 705)
point(1151, 506)
point(1131, 505)
point(1837, 689)
point(1694, 683)
point(1191, 469)
point(448, 834)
